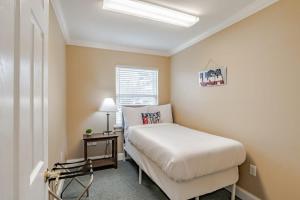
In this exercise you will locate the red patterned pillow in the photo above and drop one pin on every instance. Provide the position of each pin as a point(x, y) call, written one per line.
point(151, 118)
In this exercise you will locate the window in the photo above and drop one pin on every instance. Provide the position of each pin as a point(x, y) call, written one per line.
point(135, 87)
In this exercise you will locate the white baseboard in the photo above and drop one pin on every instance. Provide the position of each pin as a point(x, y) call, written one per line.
point(120, 157)
point(243, 194)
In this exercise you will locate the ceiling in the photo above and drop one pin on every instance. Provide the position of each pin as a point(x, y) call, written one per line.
point(84, 23)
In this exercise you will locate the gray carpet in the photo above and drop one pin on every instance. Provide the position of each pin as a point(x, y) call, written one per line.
point(122, 184)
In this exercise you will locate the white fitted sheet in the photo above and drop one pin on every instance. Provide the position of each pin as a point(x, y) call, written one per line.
point(184, 154)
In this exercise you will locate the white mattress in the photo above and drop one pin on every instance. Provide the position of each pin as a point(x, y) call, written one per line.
point(184, 154)
point(182, 190)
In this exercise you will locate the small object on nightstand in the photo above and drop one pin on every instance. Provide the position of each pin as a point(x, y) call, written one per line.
point(103, 162)
point(89, 131)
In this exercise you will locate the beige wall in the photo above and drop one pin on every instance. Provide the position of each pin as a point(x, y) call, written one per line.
point(260, 105)
point(91, 78)
point(57, 92)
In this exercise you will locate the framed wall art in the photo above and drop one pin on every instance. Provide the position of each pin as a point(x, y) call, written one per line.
point(216, 76)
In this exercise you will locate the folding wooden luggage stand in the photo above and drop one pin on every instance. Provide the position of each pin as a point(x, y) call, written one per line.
point(71, 170)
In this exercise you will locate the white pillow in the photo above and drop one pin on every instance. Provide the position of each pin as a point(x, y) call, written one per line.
point(165, 112)
point(132, 116)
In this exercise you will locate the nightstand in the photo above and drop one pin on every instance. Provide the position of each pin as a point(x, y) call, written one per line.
point(103, 162)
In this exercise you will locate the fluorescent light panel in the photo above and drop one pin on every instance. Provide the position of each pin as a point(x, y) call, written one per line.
point(150, 11)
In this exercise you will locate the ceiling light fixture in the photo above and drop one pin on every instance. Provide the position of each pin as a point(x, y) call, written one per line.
point(150, 11)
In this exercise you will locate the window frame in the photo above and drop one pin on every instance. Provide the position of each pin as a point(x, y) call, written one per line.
point(117, 86)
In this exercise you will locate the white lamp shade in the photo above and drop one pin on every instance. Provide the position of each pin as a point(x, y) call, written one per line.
point(108, 105)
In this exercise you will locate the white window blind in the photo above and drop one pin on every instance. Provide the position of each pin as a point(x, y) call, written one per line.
point(135, 87)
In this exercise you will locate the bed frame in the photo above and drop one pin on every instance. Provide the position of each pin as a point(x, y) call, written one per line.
point(182, 190)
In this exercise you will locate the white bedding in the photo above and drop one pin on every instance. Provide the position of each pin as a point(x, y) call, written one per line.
point(183, 153)
point(185, 189)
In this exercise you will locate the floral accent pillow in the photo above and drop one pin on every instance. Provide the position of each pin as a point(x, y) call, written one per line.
point(151, 118)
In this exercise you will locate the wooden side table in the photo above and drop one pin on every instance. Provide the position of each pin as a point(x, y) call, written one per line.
point(103, 162)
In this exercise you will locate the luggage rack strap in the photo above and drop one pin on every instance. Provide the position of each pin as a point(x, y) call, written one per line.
point(59, 166)
point(72, 163)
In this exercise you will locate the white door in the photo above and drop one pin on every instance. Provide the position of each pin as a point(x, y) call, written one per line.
point(7, 99)
point(33, 99)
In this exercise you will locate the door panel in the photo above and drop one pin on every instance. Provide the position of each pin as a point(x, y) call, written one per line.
point(37, 95)
point(33, 98)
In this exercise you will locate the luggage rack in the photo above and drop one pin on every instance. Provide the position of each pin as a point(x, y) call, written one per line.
point(69, 170)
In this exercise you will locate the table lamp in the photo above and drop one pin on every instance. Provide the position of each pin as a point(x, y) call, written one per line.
point(108, 106)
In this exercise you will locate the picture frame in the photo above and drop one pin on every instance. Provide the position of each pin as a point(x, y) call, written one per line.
point(216, 76)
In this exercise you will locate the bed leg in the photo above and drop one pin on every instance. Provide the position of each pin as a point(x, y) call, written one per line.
point(196, 198)
point(233, 192)
point(140, 175)
point(125, 155)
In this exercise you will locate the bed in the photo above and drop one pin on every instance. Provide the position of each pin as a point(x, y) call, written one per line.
point(183, 162)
